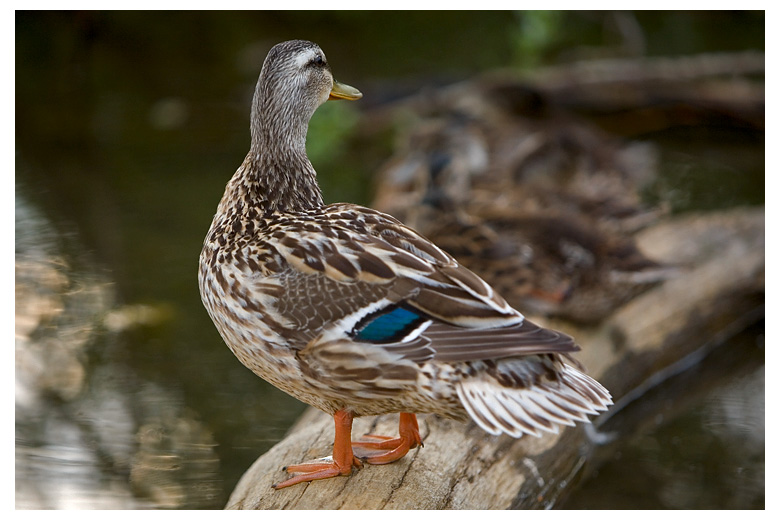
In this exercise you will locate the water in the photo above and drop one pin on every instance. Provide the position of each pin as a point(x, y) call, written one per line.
point(128, 125)
point(695, 442)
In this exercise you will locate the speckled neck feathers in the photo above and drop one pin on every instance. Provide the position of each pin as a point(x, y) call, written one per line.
point(276, 175)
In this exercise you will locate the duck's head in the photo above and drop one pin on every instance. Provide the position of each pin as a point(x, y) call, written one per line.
point(294, 81)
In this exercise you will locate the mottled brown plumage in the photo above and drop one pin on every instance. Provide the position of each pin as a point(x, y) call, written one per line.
point(543, 208)
point(352, 312)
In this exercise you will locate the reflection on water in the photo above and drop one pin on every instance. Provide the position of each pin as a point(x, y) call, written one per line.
point(695, 442)
point(55, 314)
point(90, 433)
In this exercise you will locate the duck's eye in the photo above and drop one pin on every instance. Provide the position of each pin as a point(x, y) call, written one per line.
point(317, 61)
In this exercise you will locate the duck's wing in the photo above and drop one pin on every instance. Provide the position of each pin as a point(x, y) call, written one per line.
point(384, 308)
point(358, 274)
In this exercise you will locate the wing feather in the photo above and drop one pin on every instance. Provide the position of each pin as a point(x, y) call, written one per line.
point(455, 344)
point(359, 261)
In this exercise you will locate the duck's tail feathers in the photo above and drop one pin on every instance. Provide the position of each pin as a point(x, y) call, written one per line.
point(535, 408)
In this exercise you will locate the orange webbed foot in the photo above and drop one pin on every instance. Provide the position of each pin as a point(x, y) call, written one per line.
point(318, 469)
point(341, 463)
point(380, 449)
point(374, 449)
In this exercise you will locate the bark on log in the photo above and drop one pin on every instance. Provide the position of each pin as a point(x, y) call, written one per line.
point(719, 290)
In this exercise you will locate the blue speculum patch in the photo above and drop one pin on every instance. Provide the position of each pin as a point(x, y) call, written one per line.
point(389, 326)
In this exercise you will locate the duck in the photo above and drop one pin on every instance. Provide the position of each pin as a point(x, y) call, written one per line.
point(498, 140)
point(548, 265)
point(356, 314)
point(545, 245)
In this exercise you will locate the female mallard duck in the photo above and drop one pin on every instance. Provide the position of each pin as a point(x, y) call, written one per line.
point(352, 312)
point(540, 242)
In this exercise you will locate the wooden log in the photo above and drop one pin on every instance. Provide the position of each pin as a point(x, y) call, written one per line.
point(719, 289)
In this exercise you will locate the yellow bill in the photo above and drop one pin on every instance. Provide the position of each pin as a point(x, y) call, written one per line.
point(344, 91)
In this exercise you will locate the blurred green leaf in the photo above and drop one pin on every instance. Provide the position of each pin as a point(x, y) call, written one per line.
point(329, 132)
point(537, 32)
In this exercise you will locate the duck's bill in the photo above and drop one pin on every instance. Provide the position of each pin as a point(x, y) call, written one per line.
point(343, 91)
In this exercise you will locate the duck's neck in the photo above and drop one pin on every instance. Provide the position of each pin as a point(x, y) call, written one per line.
point(276, 175)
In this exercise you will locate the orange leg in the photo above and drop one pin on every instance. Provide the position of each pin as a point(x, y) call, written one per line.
point(340, 464)
point(378, 449)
